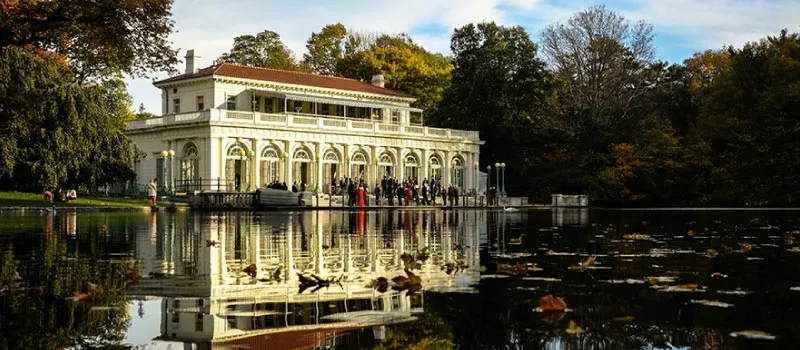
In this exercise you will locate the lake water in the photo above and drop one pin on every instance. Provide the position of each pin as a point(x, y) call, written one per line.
point(413, 279)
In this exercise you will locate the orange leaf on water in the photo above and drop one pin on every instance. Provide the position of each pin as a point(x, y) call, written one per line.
point(549, 303)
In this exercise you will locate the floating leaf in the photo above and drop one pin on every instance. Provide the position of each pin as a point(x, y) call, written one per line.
point(713, 303)
point(573, 328)
point(635, 236)
point(711, 253)
point(684, 288)
point(623, 319)
point(661, 279)
point(549, 303)
point(718, 275)
point(750, 334)
point(745, 247)
point(690, 233)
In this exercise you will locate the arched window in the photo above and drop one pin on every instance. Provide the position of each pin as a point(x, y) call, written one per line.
point(331, 157)
point(270, 153)
point(386, 165)
point(270, 166)
point(358, 166)
point(457, 171)
point(359, 158)
point(301, 156)
point(237, 150)
point(189, 167)
point(237, 173)
point(411, 167)
point(434, 168)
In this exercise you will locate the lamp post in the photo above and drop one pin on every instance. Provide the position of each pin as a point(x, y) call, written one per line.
point(165, 162)
point(488, 182)
point(497, 177)
point(503, 178)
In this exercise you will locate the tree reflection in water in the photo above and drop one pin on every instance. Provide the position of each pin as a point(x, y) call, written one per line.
point(52, 299)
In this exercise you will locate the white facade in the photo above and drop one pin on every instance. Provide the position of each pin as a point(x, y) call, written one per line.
point(230, 133)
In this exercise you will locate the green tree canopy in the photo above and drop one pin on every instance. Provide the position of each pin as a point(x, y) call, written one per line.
point(265, 50)
point(501, 88)
point(750, 119)
point(97, 38)
point(405, 66)
point(325, 49)
point(72, 135)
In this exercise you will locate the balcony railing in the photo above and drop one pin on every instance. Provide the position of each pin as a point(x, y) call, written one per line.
point(305, 122)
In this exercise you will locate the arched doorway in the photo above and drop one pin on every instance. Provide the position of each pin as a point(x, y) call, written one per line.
point(411, 167)
point(236, 168)
point(189, 179)
point(358, 166)
point(434, 168)
point(270, 166)
point(457, 171)
point(385, 165)
point(302, 168)
point(330, 170)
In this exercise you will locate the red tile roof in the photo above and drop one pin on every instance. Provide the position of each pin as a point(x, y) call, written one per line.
point(287, 77)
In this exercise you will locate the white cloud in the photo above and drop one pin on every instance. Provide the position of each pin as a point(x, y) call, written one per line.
point(716, 23)
point(210, 26)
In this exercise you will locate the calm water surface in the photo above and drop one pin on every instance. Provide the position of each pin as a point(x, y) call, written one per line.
point(417, 279)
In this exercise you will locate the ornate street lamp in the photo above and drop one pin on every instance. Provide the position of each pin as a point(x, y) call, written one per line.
point(503, 179)
point(497, 177)
point(164, 165)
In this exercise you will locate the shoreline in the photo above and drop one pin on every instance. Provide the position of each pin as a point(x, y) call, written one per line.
point(183, 207)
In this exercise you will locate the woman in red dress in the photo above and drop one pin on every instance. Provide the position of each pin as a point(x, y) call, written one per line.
point(360, 196)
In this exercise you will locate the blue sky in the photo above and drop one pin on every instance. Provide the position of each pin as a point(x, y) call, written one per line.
point(682, 27)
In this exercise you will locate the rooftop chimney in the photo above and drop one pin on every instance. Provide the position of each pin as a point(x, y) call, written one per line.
point(378, 80)
point(192, 62)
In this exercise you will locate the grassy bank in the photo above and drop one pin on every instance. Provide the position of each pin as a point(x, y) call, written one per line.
point(21, 199)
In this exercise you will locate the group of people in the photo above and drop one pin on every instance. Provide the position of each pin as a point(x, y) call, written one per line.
point(60, 195)
point(395, 192)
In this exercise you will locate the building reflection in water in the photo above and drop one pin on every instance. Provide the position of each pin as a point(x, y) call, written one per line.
point(198, 263)
point(570, 217)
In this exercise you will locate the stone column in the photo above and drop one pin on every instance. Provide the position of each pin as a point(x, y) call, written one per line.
point(287, 159)
point(373, 163)
point(401, 164)
point(345, 161)
point(423, 153)
point(255, 165)
point(447, 168)
point(469, 173)
point(318, 158)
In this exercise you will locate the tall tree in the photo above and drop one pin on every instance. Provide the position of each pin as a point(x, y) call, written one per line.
point(601, 60)
point(265, 50)
point(97, 38)
point(406, 67)
point(501, 88)
point(325, 49)
point(750, 120)
point(72, 135)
